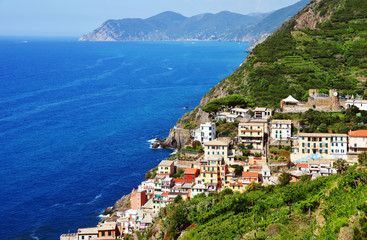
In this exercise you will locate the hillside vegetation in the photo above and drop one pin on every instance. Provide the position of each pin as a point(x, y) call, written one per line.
point(323, 46)
point(325, 208)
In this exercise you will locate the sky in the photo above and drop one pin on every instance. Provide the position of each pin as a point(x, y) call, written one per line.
point(77, 17)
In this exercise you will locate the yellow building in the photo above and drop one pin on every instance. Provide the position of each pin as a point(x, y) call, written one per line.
point(253, 133)
point(326, 145)
point(212, 169)
point(216, 149)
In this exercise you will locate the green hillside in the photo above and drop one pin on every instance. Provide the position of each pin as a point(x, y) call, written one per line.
point(323, 46)
point(325, 208)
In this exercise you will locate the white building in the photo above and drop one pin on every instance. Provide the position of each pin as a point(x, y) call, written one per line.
point(205, 133)
point(147, 186)
point(266, 174)
point(262, 113)
point(229, 117)
point(241, 112)
point(198, 188)
point(357, 142)
point(339, 146)
point(87, 233)
point(361, 104)
point(281, 130)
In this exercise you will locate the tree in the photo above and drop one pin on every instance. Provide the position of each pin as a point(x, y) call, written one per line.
point(235, 100)
point(284, 178)
point(323, 128)
point(213, 106)
point(196, 144)
point(340, 165)
point(178, 199)
point(253, 186)
point(362, 158)
point(238, 169)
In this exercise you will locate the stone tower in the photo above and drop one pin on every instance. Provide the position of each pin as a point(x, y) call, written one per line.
point(334, 100)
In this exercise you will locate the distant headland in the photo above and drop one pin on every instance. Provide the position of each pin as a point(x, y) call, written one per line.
point(171, 26)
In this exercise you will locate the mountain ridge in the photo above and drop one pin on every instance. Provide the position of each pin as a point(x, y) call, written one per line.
point(172, 26)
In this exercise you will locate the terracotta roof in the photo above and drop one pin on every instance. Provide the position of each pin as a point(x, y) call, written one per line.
point(302, 165)
point(191, 170)
point(359, 133)
point(165, 194)
point(177, 180)
point(250, 174)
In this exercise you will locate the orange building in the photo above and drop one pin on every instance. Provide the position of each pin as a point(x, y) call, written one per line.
point(107, 231)
point(138, 198)
point(190, 175)
point(249, 177)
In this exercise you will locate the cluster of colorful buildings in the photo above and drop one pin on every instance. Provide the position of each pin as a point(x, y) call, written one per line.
point(312, 154)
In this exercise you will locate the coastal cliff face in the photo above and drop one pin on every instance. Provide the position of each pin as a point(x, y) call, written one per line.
point(171, 26)
point(176, 139)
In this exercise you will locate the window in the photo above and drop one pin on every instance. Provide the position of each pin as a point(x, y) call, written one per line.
point(326, 151)
point(82, 237)
point(102, 234)
point(303, 144)
point(109, 233)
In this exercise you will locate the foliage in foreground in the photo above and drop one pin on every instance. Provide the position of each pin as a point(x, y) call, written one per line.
point(292, 211)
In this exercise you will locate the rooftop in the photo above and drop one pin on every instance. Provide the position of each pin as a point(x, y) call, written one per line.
point(107, 226)
point(250, 174)
point(260, 109)
point(177, 180)
point(302, 165)
point(93, 230)
point(359, 133)
point(323, 134)
point(215, 143)
point(166, 163)
point(191, 170)
point(240, 109)
point(281, 121)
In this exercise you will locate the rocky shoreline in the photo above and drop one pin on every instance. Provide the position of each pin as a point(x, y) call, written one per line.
point(175, 140)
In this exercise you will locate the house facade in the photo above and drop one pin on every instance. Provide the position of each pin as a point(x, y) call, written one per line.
point(205, 133)
point(262, 113)
point(360, 104)
point(190, 174)
point(216, 148)
point(357, 142)
point(138, 199)
point(166, 167)
point(253, 133)
point(281, 130)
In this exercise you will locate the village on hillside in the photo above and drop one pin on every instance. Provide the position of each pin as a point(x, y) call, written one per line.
point(243, 149)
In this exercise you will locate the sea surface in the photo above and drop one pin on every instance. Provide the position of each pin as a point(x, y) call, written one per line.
point(76, 118)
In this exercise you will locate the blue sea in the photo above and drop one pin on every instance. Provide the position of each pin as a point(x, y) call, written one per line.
point(76, 118)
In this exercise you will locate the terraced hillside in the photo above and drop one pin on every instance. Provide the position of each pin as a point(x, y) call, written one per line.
point(323, 46)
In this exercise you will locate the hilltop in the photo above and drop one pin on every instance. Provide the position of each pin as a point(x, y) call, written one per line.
point(323, 46)
point(171, 26)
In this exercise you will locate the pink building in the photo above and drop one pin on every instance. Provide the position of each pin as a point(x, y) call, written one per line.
point(138, 198)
